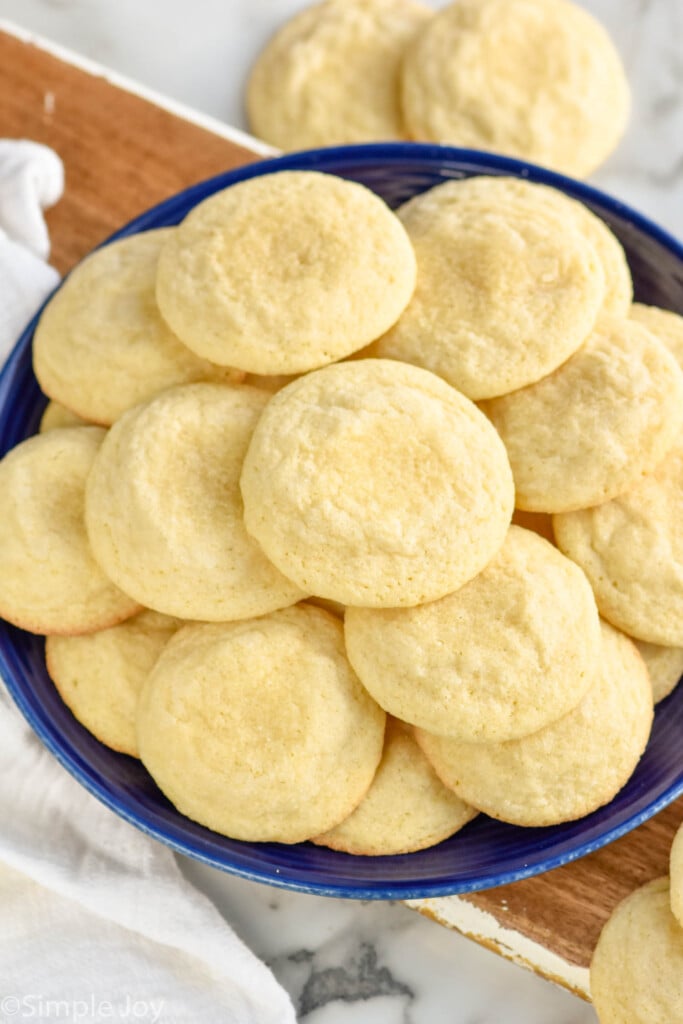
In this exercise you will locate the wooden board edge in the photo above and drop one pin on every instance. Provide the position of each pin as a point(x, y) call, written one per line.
point(457, 913)
point(119, 81)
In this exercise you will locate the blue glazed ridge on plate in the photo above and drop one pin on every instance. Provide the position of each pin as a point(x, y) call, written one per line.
point(485, 853)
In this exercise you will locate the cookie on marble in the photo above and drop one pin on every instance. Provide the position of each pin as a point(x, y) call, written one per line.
point(509, 652)
point(663, 323)
point(286, 272)
point(407, 807)
point(164, 511)
point(101, 345)
point(100, 676)
point(331, 75)
point(567, 769)
point(676, 871)
point(529, 78)
point(57, 415)
point(50, 581)
point(590, 430)
point(260, 730)
point(631, 550)
point(374, 483)
point(665, 666)
point(508, 287)
point(636, 972)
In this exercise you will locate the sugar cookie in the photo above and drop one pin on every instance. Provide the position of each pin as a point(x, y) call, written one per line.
point(50, 581)
point(285, 272)
point(506, 654)
point(507, 287)
point(57, 415)
point(636, 973)
point(567, 769)
point(664, 665)
point(331, 74)
point(631, 549)
point(499, 190)
point(667, 326)
point(164, 512)
point(99, 676)
point(260, 730)
point(374, 483)
point(676, 868)
point(407, 807)
point(533, 79)
point(101, 345)
point(610, 252)
point(590, 430)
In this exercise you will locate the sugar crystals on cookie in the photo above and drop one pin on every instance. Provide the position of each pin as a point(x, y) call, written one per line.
point(285, 272)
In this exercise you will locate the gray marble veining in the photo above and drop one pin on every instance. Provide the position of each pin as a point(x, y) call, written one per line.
point(381, 963)
point(357, 979)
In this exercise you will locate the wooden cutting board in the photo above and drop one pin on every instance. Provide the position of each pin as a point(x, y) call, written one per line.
point(124, 153)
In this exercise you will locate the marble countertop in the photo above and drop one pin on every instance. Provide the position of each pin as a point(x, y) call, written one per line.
point(342, 961)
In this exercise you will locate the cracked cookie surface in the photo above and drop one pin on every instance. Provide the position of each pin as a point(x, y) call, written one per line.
point(375, 483)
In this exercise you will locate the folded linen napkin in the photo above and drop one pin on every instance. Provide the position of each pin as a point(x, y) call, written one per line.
point(96, 920)
point(31, 179)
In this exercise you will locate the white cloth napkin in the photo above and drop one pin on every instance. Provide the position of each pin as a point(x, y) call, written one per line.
point(97, 923)
point(31, 179)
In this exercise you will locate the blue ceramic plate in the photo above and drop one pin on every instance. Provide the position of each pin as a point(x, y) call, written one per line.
point(486, 853)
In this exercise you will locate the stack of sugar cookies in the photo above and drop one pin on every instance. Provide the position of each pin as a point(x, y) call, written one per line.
point(277, 562)
point(536, 79)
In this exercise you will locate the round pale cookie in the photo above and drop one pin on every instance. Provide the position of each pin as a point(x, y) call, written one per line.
point(260, 730)
point(374, 483)
point(676, 871)
point(665, 666)
point(57, 415)
point(99, 676)
point(590, 430)
point(407, 807)
point(507, 287)
point(498, 190)
point(50, 580)
point(569, 768)
point(286, 272)
point(101, 345)
point(667, 326)
point(631, 549)
point(331, 75)
point(536, 79)
point(636, 972)
point(164, 511)
point(506, 654)
point(618, 281)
